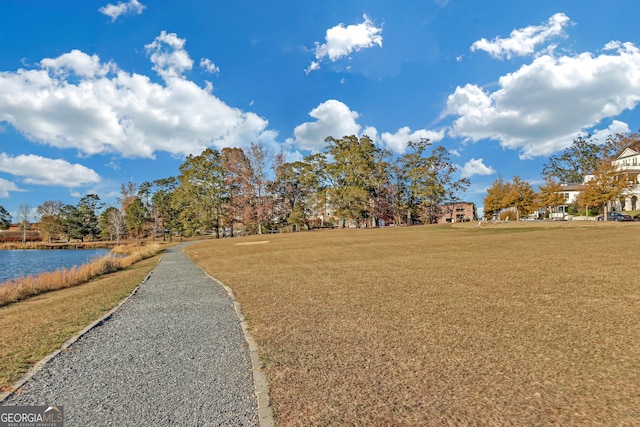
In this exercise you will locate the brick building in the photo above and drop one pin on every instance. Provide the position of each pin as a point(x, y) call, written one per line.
point(457, 212)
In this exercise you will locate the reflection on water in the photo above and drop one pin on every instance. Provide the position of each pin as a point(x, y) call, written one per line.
point(16, 263)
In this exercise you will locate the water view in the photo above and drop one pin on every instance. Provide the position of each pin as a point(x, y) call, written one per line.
point(16, 263)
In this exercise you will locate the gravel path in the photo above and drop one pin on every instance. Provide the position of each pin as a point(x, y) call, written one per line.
point(173, 354)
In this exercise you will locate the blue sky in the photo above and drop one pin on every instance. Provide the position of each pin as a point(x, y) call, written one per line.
point(94, 94)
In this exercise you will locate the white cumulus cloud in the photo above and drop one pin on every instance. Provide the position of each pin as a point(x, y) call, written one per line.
point(312, 67)
point(341, 41)
point(209, 66)
point(78, 63)
point(336, 119)
point(333, 118)
point(600, 136)
point(541, 107)
point(523, 41)
point(78, 101)
point(114, 11)
point(168, 55)
point(6, 187)
point(41, 170)
point(397, 142)
point(476, 167)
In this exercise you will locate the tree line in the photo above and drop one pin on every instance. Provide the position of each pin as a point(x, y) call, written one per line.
point(251, 191)
point(583, 158)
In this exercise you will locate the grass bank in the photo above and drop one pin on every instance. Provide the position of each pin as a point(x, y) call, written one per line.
point(22, 288)
point(506, 324)
point(31, 329)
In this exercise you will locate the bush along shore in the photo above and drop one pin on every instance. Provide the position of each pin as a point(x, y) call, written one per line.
point(120, 258)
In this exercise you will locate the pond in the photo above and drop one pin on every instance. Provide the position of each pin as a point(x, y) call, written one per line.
point(24, 262)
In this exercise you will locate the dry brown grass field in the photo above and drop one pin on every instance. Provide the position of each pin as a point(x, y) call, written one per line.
point(506, 324)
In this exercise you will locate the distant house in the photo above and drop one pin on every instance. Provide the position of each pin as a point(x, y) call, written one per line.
point(457, 212)
point(628, 164)
point(571, 193)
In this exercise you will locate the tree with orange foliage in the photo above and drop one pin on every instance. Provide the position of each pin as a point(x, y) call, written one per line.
point(606, 186)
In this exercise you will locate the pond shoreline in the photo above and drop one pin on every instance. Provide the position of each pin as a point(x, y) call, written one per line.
point(65, 245)
point(20, 263)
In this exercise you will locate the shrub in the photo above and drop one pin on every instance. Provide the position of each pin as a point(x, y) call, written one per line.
point(509, 215)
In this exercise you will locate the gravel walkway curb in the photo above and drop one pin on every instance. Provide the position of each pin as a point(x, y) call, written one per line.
point(173, 354)
point(265, 411)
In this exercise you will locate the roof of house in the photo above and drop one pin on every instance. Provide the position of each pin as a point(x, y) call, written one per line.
point(635, 146)
point(572, 187)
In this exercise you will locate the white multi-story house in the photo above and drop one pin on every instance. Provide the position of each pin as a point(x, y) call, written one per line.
point(628, 163)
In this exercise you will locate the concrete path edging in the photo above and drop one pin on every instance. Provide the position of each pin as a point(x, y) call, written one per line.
point(265, 411)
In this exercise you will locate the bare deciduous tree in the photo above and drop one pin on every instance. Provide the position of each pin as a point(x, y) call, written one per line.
point(24, 214)
point(116, 224)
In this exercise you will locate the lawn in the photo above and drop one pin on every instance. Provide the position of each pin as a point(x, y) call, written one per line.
point(505, 324)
